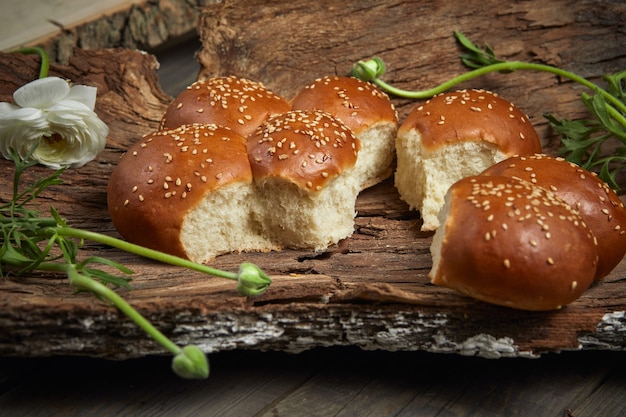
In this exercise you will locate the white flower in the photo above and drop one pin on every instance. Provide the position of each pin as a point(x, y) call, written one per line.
point(59, 119)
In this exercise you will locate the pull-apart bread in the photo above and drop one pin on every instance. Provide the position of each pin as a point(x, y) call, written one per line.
point(452, 136)
point(367, 111)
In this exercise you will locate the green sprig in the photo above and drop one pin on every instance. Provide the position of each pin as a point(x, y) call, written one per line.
point(582, 140)
point(34, 243)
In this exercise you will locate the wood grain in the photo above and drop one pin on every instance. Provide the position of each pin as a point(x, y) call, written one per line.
point(371, 290)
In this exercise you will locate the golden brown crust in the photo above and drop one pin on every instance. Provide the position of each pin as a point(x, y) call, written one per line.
point(598, 205)
point(473, 115)
point(308, 148)
point(237, 103)
point(358, 104)
point(511, 243)
point(166, 174)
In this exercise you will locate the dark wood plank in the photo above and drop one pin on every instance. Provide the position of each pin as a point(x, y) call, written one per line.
point(608, 400)
point(323, 382)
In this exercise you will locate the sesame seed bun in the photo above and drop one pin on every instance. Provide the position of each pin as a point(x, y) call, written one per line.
point(367, 111)
point(455, 135)
point(186, 191)
point(237, 103)
point(303, 165)
point(598, 205)
point(508, 242)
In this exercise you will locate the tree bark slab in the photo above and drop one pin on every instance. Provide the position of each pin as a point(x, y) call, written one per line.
point(372, 289)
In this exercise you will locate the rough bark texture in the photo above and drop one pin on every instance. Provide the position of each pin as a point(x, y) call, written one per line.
point(372, 289)
point(287, 45)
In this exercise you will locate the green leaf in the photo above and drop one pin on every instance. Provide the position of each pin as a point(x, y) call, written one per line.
point(476, 57)
point(107, 278)
point(615, 85)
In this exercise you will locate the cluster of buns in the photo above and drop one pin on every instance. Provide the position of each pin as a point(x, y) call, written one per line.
point(512, 226)
point(235, 167)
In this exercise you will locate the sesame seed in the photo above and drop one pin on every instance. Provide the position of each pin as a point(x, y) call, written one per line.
point(573, 285)
point(506, 263)
point(550, 261)
point(126, 202)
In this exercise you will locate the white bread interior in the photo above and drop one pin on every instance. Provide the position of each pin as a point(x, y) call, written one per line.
point(423, 177)
point(221, 223)
point(374, 163)
point(297, 218)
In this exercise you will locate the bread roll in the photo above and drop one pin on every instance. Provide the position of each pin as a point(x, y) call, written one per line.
point(303, 166)
point(508, 242)
point(364, 109)
point(592, 198)
point(187, 191)
point(237, 103)
point(455, 135)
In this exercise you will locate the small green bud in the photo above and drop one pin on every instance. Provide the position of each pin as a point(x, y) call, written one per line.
point(251, 280)
point(191, 363)
point(369, 70)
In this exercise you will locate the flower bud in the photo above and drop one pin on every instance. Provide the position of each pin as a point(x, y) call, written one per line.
point(251, 280)
point(369, 70)
point(191, 363)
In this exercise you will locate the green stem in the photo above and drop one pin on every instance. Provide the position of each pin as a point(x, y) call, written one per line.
point(81, 282)
point(142, 251)
point(45, 60)
point(616, 115)
point(499, 67)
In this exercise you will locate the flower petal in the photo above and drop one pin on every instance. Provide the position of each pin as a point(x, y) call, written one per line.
point(41, 93)
point(83, 94)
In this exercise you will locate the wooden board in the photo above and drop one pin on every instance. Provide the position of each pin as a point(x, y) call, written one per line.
point(369, 291)
point(61, 25)
point(29, 21)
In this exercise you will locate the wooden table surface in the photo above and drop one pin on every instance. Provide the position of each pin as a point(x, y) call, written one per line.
point(334, 381)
